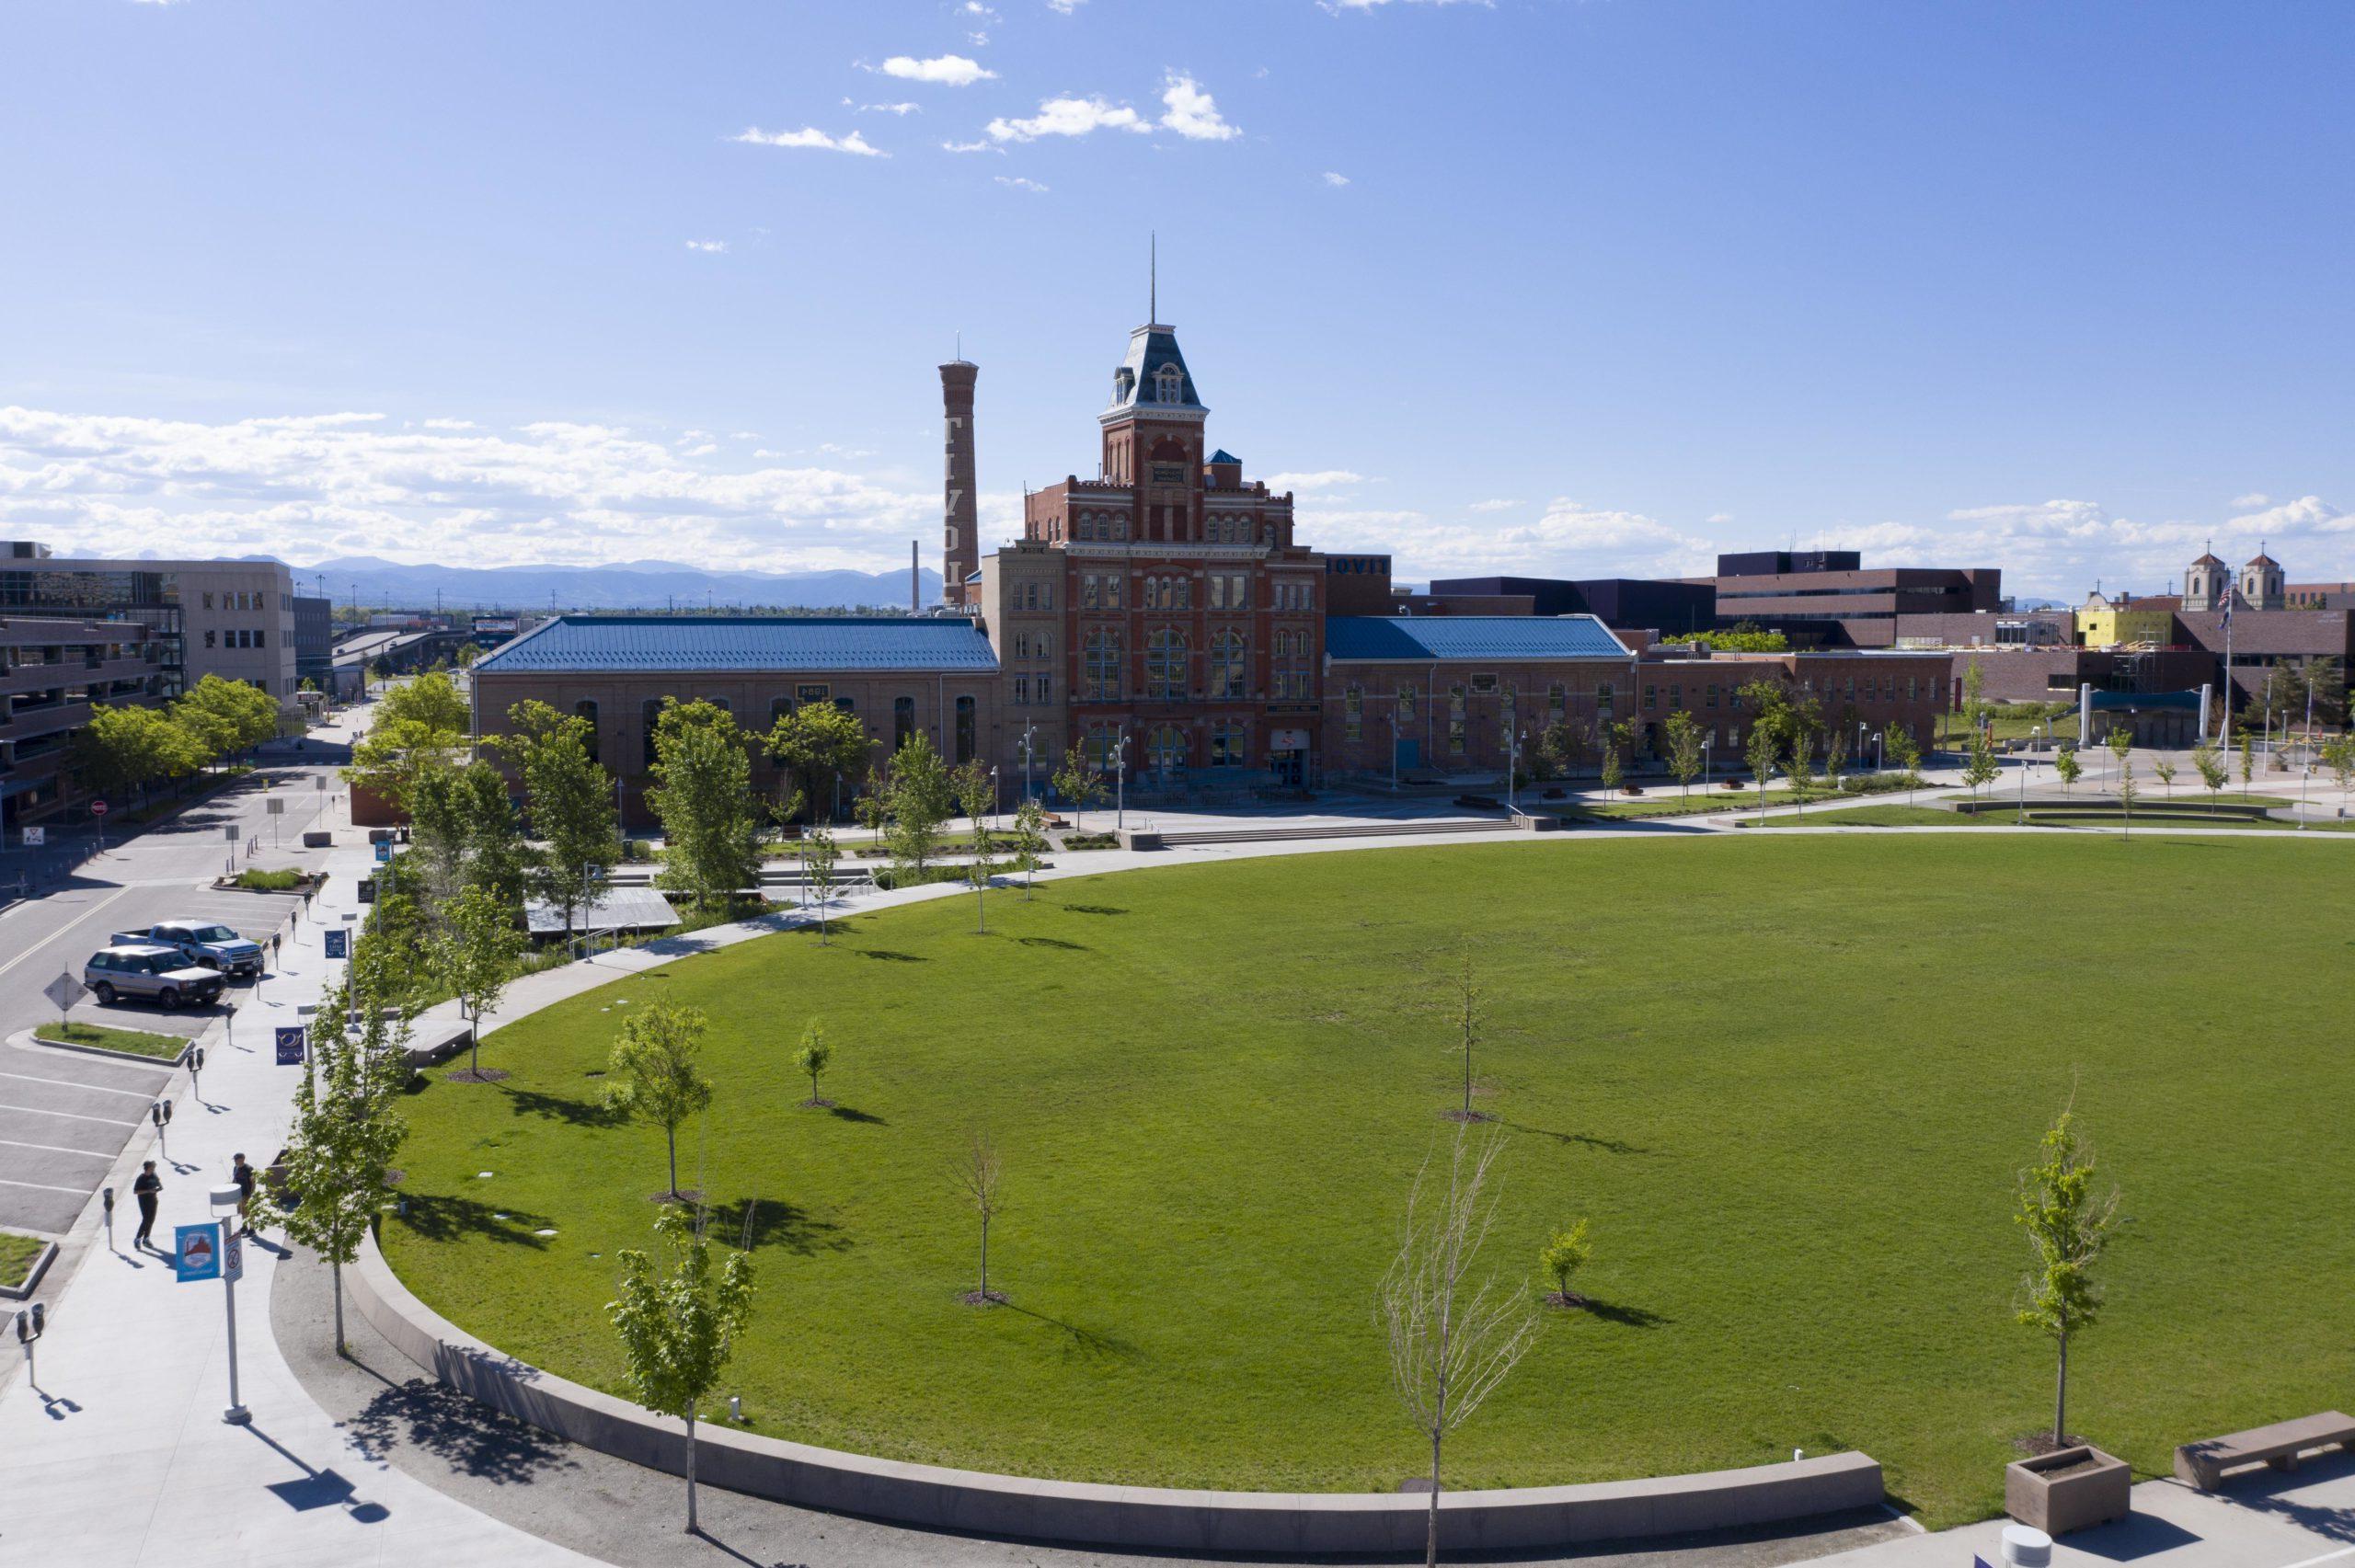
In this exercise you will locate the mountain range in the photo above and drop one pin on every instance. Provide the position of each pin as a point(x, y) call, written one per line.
point(628, 585)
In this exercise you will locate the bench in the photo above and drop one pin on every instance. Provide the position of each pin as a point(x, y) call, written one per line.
point(2203, 1464)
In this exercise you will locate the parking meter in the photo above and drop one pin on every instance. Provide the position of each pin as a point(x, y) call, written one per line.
point(106, 1211)
point(29, 1325)
point(196, 1069)
point(160, 1113)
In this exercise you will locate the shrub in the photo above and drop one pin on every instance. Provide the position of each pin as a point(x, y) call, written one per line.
point(268, 881)
point(889, 876)
point(1091, 841)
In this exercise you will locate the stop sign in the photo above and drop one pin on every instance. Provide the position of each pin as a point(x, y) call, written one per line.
point(97, 808)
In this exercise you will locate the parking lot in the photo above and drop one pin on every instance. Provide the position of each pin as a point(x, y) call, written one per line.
point(64, 1117)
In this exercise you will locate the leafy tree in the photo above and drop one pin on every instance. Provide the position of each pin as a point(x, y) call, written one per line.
point(812, 1057)
point(2068, 1229)
point(231, 715)
point(2324, 681)
point(2119, 740)
point(819, 745)
point(677, 1329)
point(570, 798)
point(976, 1173)
point(1761, 750)
point(2211, 764)
point(2069, 768)
point(347, 1125)
point(476, 957)
point(1835, 751)
point(2128, 793)
point(819, 855)
point(1615, 738)
point(1974, 689)
point(1560, 745)
point(976, 792)
point(1450, 1341)
point(1795, 769)
point(873, 807)
point(1029, 841)
point(1906, 752)
point(921, 796)
point(2339, 756)
point(656, 1075)
point(419, 729)
point(1079, 781)
point(1564, 1253)
point(1980, 768)
point(2166, 777)
point(1684, 750)
point(121, 748)
point(2248, 759)
point(430, 699)
point(703, 795)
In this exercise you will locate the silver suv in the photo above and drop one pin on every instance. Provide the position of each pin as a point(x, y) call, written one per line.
point(149, 973)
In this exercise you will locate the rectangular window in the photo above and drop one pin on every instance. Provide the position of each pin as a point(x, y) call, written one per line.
point(1218, 591)
point(1675, 695)
point(1044, 698)
point(1711, 697)
point(1406, 704)
point(1651, 698)
point(261, 638)
point(1022, 690)
point(1456, 703)
point(1087, 591)
point(1353, 713)
point(1912, 687)
point(1557, 699)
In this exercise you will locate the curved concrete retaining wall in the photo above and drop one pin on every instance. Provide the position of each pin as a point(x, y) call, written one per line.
point(1139, 1516)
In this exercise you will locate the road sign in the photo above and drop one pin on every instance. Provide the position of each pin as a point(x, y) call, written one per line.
point(274, 806)
point(233, 1257)
point(230, 832)
point(290, 1045)
point(383, 853)
point(196, 1251)
point(64, 990)
point(320, 780)
point(367, 889)
point(35, 837)
point(97, 808)
point(339, 943)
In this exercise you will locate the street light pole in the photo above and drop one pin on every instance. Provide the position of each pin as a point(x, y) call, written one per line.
point(1120, 784)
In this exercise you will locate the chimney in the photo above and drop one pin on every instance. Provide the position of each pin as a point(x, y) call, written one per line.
point(915, 579)
point(960, 551)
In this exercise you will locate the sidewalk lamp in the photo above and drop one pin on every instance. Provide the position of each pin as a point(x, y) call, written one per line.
point(1120, 784)
point(223, 1202)
point(1709, 744)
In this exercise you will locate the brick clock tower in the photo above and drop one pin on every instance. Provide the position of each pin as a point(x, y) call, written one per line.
point(960, 513)
point(1184, 618)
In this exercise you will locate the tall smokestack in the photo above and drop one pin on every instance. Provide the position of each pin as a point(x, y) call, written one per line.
point(915, 579)
point(960, 549)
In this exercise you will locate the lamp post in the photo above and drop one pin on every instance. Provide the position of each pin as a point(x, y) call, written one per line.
point(1513, 769)
point(223, 1203)
point(1120, 784)
point(1393, 716)
point(1030, 742)
point(1709, 744)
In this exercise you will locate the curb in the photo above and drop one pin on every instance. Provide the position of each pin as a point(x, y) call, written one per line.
point(166, 1063)
point(31, 1281)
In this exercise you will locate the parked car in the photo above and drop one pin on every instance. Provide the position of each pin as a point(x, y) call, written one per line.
point(146, 972)
point(198, 942)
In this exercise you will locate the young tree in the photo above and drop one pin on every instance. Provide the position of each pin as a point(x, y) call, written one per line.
point(1684, 750)
point(1761, 750)
point(811, 1058)
point(2166, 777)
point(2211, 764)
point(396, 755)
point(976, 1173)
point(2069, 768)
point(2068, 1229)
point(1974, 703)
point(476, 957)
point(2127, 792)
point(1469, 1020)
point(346, 1125)
point(1450, 1341)
point(819, 745)
point(920, 797)
point(2248, 759)
point(656, 1076)
point(1617, 739)
point(1029, 842)
point(872, 807)
point(1795, 769)
point(677, 1328)
point(495, 853)
point(570, 800)
point(703, 797)
point(1906, 752)
point(1981, 768)
point(1564, 1253)
point(1835, 753)
point(1079, 781)
point(819, 855)
point(976, 794)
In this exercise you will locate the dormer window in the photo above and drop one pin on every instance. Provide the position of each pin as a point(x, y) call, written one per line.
point(1169, 384)
point(1124, 381)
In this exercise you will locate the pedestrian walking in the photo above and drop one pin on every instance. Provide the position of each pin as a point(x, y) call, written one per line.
point(149, 1190)
point(242, 1174)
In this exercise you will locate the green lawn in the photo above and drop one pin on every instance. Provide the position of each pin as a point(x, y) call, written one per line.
point(17, 1256)
point(1756, 1062)
point(139, 1042)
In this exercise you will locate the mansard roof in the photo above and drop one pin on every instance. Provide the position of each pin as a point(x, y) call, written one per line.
point(1136, 385)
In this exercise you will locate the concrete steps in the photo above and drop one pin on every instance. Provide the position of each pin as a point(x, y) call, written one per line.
point(1182, 837)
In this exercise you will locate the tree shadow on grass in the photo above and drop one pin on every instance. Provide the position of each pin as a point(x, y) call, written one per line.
point(1626, 1316)
point(1094, 910)
point(470, 1438)
point(1055, 942)
point(438, 1217)
point(1585, 1140)
point(1087, 1342)
point(776, 1223)
point(556, 1107)
point(890, 956)
point(853, 1114)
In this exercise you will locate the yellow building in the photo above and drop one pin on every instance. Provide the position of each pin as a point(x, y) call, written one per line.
point(2108, 626)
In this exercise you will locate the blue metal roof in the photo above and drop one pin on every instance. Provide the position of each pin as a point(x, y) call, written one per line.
point(1223, 456)
point(582, 644)
point(1484, 638)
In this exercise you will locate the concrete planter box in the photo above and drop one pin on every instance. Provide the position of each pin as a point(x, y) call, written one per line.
point(2056, 1504)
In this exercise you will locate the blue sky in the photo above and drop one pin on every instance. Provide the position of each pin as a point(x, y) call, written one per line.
point(1587, 286)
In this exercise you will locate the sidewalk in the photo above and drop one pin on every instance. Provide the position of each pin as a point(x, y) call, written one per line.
point(119, 1455)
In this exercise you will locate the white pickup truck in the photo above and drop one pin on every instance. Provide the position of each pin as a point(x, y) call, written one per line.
point(201, 943)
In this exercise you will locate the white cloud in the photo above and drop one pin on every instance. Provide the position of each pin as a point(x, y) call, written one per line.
point(1334, 180)
point(978, 39)
point(1494, 506)
point(1192, 113)
point(1069, 117)
point(809, 137)
point(1018, 183)
point(975, 9)
point(708, 246)
point(1716, 518)
point(306, 487)
point(969, 147)
point(903, 108)
point(2255, 498)
point(1064, 7)
point(1321, 479)
point(941, 69)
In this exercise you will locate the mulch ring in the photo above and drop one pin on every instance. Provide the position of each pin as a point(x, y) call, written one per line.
point(684, 1196)
point(1569, 1301)
point(814, 1103)
point(984, 1298)
point(476, 1075)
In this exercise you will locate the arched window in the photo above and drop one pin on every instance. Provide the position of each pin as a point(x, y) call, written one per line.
point(584, 709)
point(965, 728)
point(649, 714)
point(1103, 749)
point(1168, 385)
point(1165, 664)
point(1100, 666)
point(778, 708)
point(1165, 750)
point(903, 721)
point(1228, 676)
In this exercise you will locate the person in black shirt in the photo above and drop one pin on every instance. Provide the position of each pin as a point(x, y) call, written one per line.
point(242, 1174)
point(147, 1189)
